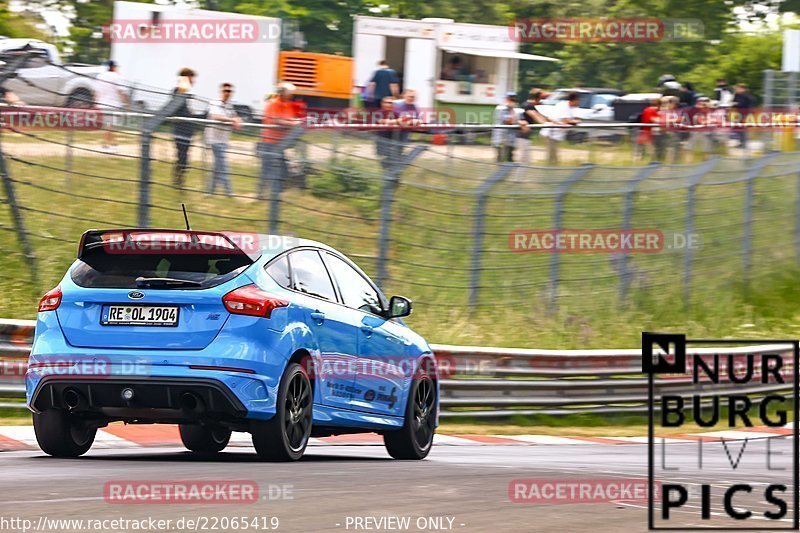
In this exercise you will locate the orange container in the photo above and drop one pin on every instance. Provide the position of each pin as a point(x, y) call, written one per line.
point(323, 80)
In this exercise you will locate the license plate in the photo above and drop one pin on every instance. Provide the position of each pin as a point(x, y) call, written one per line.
point(139, 315)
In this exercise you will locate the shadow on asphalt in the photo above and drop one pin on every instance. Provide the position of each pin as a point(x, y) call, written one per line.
point(187, 457)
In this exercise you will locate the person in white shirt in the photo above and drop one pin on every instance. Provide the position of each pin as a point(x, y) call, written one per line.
point(563, 115)
point(110, 95)
point(217, 137)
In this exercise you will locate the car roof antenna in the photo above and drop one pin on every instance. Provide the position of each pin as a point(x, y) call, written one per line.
point(185, 217)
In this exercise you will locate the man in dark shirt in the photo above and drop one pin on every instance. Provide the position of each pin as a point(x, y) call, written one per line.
point(743, 103)
point(688, 97)
point(530, 115)
point(384, 83)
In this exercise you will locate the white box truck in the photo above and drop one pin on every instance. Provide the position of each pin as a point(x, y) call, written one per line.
point(466, 68)
point(152, 42)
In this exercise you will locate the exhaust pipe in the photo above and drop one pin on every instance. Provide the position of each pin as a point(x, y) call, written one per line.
point(72, 399)
point(191, 402)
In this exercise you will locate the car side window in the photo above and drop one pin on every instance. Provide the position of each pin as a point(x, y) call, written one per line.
point(37, 59)
point(356, 291)
point(279, 271)
point(310, 276)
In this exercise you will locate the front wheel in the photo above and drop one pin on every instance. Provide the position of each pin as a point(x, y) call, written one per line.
point(61, 434)
point(204, 439)
point(284, 437)
point(415, 438)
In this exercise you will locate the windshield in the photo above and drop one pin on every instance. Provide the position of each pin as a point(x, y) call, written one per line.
point(157, 259)
point(161, 271)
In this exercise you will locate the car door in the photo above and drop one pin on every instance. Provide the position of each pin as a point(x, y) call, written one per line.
point(334, 327)
point(384, 368)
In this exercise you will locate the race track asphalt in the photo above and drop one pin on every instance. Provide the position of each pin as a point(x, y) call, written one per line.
point(333, 487)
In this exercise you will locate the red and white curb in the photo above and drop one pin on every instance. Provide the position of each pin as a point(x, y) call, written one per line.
point(14, 438)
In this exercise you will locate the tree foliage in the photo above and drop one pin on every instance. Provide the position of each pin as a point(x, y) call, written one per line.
point(328, 24)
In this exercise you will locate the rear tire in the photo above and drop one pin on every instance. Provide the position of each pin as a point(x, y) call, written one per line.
point(285, 436)
point(204, 439)
point(415, 438)
point(61, 434)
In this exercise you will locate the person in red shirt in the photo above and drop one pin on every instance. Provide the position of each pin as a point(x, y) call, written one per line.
point(646, 137)
point(279, 110)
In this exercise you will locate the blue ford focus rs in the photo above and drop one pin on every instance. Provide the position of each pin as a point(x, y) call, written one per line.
point(283, 338)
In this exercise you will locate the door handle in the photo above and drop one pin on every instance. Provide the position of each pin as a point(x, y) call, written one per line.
point(367, 330)
point(318, 316)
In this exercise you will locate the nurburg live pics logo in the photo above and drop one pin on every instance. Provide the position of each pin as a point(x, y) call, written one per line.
point(722, 481)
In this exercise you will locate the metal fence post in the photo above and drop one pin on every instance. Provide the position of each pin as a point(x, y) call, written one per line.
point(19, 222)
point(390, 181)
point(558, 215)
point(769, 100)
point(68, 158)
point(334, 147)
point(627, 218)
point(769, 87)
point(688, 258)
point(747, 226)
point(797, 221)
point(478, 227)
point(149, 126)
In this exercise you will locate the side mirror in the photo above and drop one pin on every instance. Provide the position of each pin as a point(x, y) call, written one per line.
point(399, 306)
point(599, 107)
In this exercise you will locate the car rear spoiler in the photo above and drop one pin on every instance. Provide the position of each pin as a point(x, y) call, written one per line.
point(171, 241)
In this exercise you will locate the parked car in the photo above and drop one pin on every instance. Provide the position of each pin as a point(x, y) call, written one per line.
point(43, 79)
point(283, 338)
point(596, 105)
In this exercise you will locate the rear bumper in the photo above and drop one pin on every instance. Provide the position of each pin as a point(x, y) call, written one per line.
point(219, 394)
point(245, 368)
point(153, 399)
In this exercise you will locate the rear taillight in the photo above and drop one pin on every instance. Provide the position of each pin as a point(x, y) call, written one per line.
point(250, 300)
point(51, 300)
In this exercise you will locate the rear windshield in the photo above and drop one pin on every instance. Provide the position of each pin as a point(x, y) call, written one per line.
point(100, 269)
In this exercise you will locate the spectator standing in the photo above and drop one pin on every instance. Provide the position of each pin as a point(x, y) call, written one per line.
point(503, 139)
point(387, 145)
point(183, 131)
point(530, 115)
point(723, 94)
point(110, 95)
point(649, 138)
point(688, 96)
point(699, 122)
point(279, 111)
point(669, 115)
point(743, 102)
point(563, 116)
point(217, 136)
point(407, 114)
point(384, 82)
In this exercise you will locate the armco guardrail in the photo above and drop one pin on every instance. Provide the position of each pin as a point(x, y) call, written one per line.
point(494, 382)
